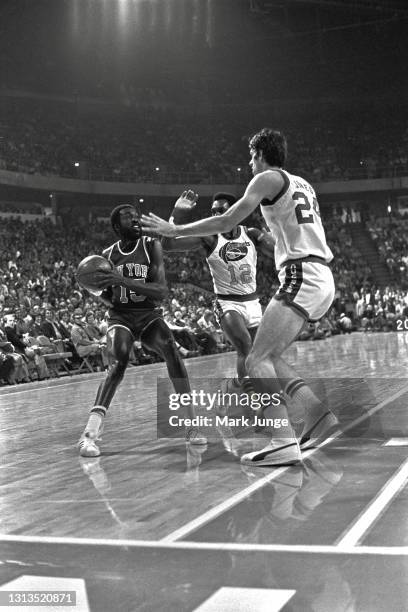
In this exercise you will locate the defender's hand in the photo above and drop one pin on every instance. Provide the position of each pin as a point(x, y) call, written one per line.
point(187, 200)
point(154, 225)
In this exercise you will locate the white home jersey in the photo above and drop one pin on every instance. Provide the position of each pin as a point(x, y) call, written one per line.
point(232, 265)
point(293, 217)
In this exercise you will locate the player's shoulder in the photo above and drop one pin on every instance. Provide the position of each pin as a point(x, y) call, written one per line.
point(151, 242)
point(270, 185)
point(109, 250)
point(252, 232)
point(152, 247)
point(270, 181)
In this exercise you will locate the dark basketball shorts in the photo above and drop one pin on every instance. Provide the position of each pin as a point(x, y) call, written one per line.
point(135, 321)
point(307, 287)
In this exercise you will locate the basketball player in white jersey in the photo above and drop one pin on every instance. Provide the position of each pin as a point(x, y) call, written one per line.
point(290, 209)
point(232, 259)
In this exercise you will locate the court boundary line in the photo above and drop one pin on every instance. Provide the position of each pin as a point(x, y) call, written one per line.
point(210, 546)
point(375, 509)
point(222, 507)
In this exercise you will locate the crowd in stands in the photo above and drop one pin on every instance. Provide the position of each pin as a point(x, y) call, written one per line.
point(131, 144)
point(391, 238)
point(48, 326)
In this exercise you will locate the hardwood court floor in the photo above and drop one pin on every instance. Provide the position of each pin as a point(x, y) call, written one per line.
point(152, 526)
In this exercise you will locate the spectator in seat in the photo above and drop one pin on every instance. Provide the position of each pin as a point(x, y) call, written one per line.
point(344, 324)
point(30, 353)
point(51, 329)
point(95, 334)
point(85, 346)
point(13, 367)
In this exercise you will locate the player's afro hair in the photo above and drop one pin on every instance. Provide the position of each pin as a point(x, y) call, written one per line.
point(223, 195)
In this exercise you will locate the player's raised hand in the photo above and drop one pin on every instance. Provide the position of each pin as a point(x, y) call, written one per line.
point(156, 226)
point(187, 200)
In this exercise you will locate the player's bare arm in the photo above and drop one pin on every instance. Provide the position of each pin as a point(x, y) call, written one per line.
point(192, 243)
point(263, 185)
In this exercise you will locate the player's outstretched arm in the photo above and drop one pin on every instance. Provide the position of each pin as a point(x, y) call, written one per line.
point(181, 244)
point(262, 185)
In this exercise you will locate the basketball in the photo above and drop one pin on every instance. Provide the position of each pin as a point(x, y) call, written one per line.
point(85, 273)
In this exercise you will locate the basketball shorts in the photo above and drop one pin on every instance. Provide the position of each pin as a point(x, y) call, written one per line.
point(250, 311)
point(136, 321)
point(307, 287)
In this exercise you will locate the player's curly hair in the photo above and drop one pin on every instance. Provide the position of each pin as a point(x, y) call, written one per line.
point(273, 145)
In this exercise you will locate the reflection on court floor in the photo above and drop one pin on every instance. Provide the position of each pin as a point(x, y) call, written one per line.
point(154, 525)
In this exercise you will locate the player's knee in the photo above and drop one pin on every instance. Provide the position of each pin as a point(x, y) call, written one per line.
point(167, 347)
point(118, 368)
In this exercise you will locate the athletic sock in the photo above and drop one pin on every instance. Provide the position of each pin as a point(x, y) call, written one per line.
point(96, 416)
point(302, 397)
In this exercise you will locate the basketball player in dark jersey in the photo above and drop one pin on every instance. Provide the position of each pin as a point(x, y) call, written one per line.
point(232, 259)
point(132, 291)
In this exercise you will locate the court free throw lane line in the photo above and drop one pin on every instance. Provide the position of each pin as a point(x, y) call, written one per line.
point(206, 517)
point(369, 516)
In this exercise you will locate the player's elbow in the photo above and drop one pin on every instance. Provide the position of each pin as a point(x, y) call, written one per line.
point(226, 225)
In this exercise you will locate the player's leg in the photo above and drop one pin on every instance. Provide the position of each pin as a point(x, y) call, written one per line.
point(311, 299)
point(235, 329)
point(279, 327)
point(158, 338)
point(318, 420)
point(120, 341)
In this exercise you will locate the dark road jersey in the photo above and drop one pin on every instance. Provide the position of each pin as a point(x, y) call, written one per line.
point(134, 264)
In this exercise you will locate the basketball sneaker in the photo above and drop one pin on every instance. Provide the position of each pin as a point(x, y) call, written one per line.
point(321, 430)
point(194, 437)
point(93, 431)
point(87, 446)
point(279, 452)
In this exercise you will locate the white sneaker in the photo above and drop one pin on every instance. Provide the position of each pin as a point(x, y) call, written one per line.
point(193, 436)
point(278, 452)
point(87, 446)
